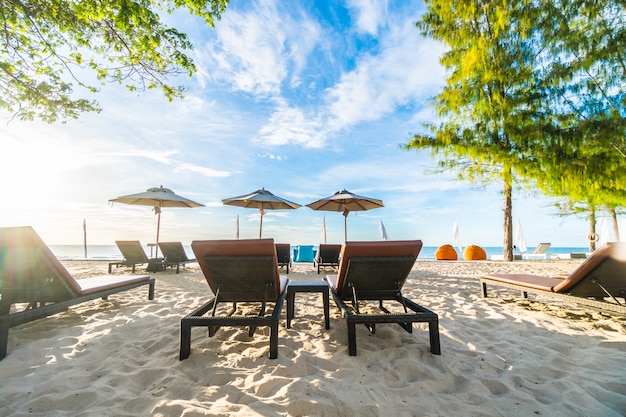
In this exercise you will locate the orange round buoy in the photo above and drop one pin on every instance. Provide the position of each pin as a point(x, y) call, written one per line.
point(474, 253)
point(446, 253)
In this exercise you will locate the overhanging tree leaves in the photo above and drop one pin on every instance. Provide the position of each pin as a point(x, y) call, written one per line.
point(490, 105)
point(49, 46)
point(583, 74)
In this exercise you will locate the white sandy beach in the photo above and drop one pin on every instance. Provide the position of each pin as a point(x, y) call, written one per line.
point(500, 357)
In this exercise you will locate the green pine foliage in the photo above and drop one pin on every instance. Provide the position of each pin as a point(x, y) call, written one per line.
point(534, 96)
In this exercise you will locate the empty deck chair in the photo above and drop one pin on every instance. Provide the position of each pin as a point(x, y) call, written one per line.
point(132, 253)
point(174, 255)
point(327, 255)
point(377, 271)
point(243, 271)
point(37, 285)
point(283, 253)
point(599, 282)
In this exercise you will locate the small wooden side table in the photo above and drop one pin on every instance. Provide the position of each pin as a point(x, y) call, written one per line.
point(295, 287)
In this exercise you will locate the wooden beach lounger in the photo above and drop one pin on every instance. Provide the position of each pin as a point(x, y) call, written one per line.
point(598, 282)
point(327, 255)
point(376, 271)
point(133, 254)
point(174, 254)
point(243, 270)
point(30, 274)
point(283, 252)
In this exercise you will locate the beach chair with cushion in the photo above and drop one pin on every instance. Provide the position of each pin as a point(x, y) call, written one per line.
point(132, 253)
point(37, 285)
point(174, 255)
point(599, 282)
point(283, 253)
point(377, 271)
point(237, 271)
point(327, 255)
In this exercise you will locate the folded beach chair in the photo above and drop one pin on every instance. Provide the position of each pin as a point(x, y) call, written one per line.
point(327, 255)
point(174, 255)
point(133, 254)
point(283, 252)
point(237, 271)
point(598, 282)
point(540, 252)
point(376, 271)
point(541, 249)
point(38, 285)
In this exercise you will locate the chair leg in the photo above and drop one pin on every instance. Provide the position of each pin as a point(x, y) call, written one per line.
point(483, 289)
point(274, 340)
point(4, 337)
point(213, 330)
point(352, 339)
point(433, 331)
point(185, 339)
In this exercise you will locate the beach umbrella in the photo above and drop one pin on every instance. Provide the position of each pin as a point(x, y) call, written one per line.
point(604, 232)
point(85, 236)
point(344, 201)
point(262, 200)
point(157, 197)
point(456, 235)
point(383, 231)
point(520, 242)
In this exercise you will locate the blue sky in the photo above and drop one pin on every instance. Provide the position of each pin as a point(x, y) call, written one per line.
point(301, 98)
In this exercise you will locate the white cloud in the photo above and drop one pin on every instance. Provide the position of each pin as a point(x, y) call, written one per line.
point(402, 73)
point(370, 14)
point(257, 50)
point(290, 125)
point(207, 172)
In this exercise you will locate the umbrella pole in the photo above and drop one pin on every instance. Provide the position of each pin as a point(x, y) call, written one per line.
point(345, 228)
point(157, 236)
point(261, 226)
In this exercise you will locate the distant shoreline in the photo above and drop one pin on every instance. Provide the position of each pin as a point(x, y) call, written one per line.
point(112, 253)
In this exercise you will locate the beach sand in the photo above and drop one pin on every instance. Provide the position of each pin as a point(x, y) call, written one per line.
point(500, 356)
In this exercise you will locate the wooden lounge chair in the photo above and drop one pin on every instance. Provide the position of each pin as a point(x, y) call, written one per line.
point(31, 275)
point(377, 271)
point(174, 255)
point(237, 271)
point(327, 255)
point(598, 282)
point(133, 254)
point(283, 252)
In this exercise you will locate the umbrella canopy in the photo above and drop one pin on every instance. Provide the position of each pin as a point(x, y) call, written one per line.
point(383, 231)
point(456, 235)
point(262, 200)
point(157, 197)
point(345, 202)
point(520, 242)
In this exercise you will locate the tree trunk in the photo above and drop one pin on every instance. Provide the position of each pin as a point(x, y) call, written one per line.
point(615, 225)
point(592, 229)
point(508, 216)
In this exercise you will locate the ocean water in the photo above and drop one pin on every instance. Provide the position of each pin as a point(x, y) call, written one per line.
point(111, 252)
